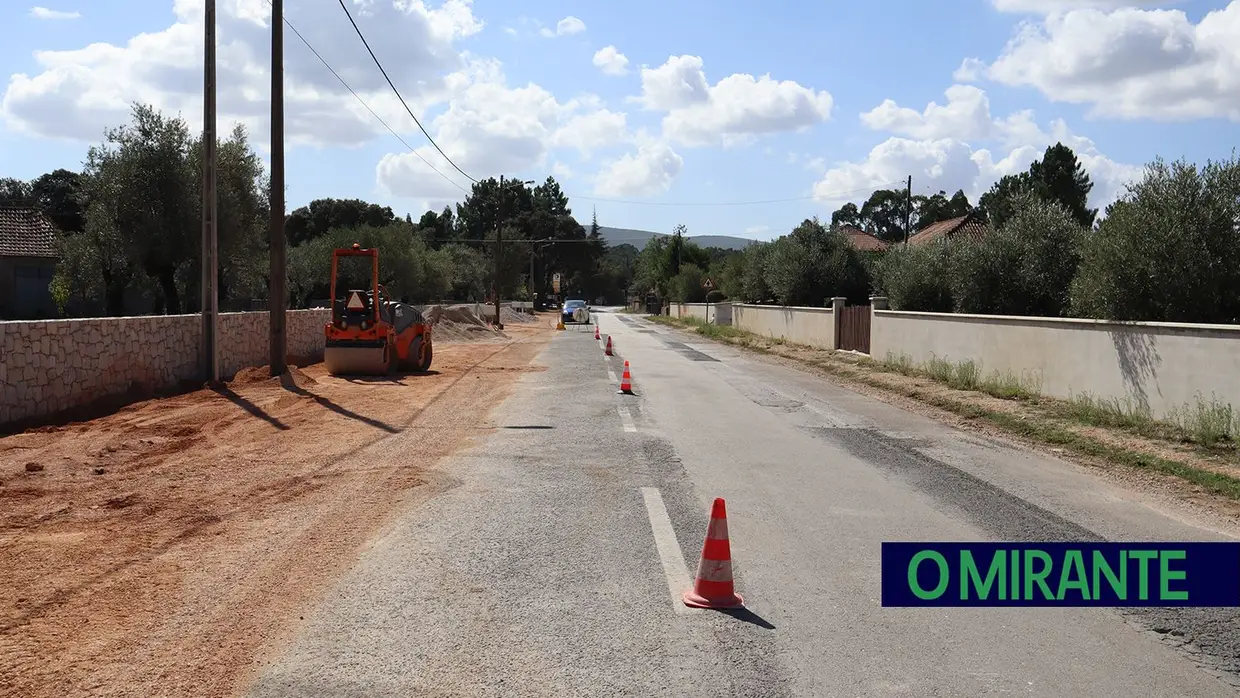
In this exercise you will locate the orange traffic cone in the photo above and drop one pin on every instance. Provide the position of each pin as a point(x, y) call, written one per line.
point(626, 381)
point(713, 586)
point(607, 350)
point(596, 335)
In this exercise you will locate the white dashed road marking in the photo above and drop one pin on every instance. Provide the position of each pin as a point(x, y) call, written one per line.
point(626, 419)
point(669, 550)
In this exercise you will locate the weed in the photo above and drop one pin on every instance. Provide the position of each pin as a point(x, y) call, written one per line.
point(1207, 424)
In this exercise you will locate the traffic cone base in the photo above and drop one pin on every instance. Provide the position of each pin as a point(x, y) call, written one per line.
point(713, 586)
point(626, 381)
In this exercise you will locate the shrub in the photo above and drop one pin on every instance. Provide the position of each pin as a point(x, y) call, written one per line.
point(1168, 250)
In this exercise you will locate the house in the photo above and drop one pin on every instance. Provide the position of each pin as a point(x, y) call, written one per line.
point(861, 240)
point(967, 226)
point(27, 262)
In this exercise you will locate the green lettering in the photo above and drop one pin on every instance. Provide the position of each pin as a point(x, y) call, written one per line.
point(1074, 566)
point(971, 576)
point(1166, 574)
point(1015, 592)
point(944, 575)
point(1118, 584)
point(1143, 572)
point(1038, 577)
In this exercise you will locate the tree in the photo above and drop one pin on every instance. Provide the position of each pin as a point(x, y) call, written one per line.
point(321, 215)
point(1024, 268)
point(1168, 250)
point(14, 192)
point(812, 264)
point(847, 215)
point(928, 210)
point(1061, 177)
point(149, 202)
point(686, 286)
point(883, 214)
point(1058, 176)
point(917, 278)
point(754, 288)
point(58, 194)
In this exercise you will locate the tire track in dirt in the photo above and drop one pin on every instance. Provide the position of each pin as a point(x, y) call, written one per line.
point(229, 611)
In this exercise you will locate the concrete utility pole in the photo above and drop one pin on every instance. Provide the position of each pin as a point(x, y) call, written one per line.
point(210, 296)
point(276, 294)
point(500, 218)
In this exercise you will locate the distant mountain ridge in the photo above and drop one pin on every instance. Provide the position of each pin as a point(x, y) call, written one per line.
point(639, 238)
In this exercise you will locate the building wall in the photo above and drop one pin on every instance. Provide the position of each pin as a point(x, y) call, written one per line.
point(47, 366)
point(1156, 366)
point(813, 327)
point(36, 298)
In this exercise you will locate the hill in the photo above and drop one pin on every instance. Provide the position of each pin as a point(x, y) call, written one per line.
point(639, 238)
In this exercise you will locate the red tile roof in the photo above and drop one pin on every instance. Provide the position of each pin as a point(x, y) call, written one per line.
point(966, 226)
point(862, 240)
point(25, 232)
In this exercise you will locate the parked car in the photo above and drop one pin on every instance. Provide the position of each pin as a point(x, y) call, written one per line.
point(575, 311)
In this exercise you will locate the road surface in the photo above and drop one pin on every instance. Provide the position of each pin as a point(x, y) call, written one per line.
point(553, 564)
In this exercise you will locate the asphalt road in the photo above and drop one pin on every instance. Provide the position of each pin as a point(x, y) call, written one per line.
point(549, 567)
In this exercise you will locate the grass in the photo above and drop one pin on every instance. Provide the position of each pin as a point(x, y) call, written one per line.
point(1211, 425)
point(966, 375)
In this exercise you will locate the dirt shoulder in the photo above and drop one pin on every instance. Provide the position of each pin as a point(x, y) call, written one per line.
point(1153, 456)
point(161, 549)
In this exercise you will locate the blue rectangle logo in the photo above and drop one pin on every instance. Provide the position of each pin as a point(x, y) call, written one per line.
point(1060, 574)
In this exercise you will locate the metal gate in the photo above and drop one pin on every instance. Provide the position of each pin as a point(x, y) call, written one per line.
point(855, 328)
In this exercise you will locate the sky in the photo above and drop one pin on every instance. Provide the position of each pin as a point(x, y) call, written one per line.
point(732, 118)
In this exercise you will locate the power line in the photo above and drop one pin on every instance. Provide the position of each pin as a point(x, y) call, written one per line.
point(367, 106)
point(402, 99)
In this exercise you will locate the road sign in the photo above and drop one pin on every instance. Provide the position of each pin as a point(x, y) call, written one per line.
point(708, 284)
point(555, 283)
point(356, 302)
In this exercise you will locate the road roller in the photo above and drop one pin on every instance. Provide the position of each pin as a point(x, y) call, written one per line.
point(370, 334)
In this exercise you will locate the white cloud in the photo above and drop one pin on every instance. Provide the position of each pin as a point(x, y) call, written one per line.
point(1045, 7)
point(1131, 63)
point(966, 115)
point(565, 27)
point(561, 171)
point(650, 170)
point(970, 70)
point(591, 131)
point(491, 129)
point(611, 61)
point(757, 229)
point(735, 109)
point(78, 93)
point(938, 147)
point(44, 13)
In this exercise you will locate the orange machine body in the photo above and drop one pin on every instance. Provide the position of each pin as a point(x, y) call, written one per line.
point(369, 333)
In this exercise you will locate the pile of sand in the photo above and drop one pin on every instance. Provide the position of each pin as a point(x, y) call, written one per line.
point(255, 375)
point(461, 323)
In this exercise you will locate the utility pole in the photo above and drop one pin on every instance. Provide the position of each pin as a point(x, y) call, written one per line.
point(210, 296)
point(908, 208)
point(276, 294)
point(499, 245)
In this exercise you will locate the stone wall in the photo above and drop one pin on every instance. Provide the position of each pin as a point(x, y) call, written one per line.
point(52, 365)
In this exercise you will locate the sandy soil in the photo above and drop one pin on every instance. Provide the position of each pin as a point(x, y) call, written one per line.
point(160, 550)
